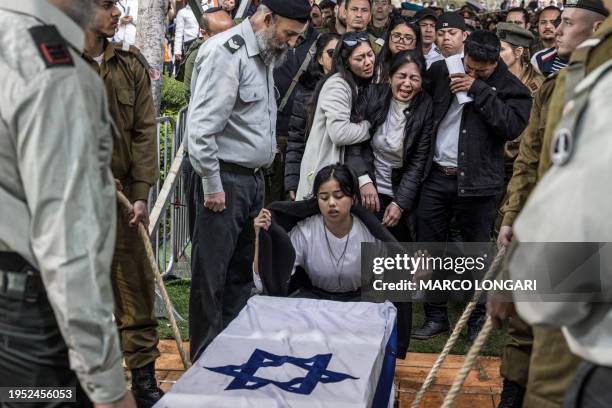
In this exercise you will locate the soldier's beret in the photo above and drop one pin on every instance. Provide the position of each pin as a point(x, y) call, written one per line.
point(293, 9)
point(592, 5)
point(515, 35)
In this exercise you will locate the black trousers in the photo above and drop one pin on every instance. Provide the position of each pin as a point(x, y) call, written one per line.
point(590, 388)
point(439, 208)
point(222, 255)
point(33, 352)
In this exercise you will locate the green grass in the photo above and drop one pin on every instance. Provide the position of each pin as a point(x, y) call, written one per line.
point(179, 294)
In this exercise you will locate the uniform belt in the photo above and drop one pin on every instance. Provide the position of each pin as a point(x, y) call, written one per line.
point(449, 171)
point(18, 279)
point(236, 168)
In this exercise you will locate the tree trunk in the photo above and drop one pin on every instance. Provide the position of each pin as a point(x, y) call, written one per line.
point(150, 38)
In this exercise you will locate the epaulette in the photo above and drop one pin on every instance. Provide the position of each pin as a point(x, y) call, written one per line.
point(124, 47)
point(53, 48)
point(234, 43)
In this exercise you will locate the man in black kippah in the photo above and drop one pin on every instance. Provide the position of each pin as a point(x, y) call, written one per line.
point(231, 137)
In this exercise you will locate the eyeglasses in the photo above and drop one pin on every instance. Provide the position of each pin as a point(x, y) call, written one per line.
point(352, 39)
point(406, 39)
point(330, 52)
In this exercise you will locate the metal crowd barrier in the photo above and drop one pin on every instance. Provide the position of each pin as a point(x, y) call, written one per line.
point(171, 238)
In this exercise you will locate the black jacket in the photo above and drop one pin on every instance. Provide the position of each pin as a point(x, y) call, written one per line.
point(405, 181)
point(296, 140)
point(283, 76)
point(277, 256)
point(499, 112)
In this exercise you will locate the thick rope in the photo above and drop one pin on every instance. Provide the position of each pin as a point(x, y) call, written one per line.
point(144, 236)
point(450, 343)
point(468, 363)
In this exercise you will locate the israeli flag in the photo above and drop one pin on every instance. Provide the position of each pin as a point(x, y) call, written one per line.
point(303, 353)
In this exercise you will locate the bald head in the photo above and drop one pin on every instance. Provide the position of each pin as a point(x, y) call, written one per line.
point(215, 23)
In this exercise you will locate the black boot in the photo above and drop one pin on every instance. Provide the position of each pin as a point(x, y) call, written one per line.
point(144, 386)
point(512, 395)
point(430, 329)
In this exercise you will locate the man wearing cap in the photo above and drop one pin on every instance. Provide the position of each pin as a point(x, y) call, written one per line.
point(231, 136)
point(426, 20)
point(537, 362)
point(450, 34)
point(465, 172)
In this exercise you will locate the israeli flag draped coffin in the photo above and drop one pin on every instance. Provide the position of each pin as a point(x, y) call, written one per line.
point(303, 353)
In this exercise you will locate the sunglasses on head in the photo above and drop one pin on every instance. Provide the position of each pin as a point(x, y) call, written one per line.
point(352, 40)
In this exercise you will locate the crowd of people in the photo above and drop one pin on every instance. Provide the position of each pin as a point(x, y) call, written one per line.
point(311, 128)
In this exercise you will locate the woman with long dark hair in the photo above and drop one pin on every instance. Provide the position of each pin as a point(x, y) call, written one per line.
point(399, 149)
point(336, 122)
point(401, 35)
point(312, 248)
point(320, 65)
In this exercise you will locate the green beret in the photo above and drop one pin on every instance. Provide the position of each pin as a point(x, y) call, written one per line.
point(515, 35)
point(593, 5)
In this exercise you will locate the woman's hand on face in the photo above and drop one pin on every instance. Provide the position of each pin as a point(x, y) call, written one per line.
point(369, 197)
point(263, 220)
point(392, 216)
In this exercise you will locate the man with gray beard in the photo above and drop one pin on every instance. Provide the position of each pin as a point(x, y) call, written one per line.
point(58, 198)
point(231, 136)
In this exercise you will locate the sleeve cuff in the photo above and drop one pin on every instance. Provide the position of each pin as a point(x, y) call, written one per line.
point(477, 88)
point(257, 281)
point(363, 180)
point(508, 219)
point(106, 386)
point(212, 184)
point(139, 191)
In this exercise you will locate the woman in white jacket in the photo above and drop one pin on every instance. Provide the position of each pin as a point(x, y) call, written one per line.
point(335, 101)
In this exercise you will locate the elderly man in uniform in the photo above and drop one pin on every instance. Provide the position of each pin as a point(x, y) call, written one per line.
point(125, 73)
point(231, 137)
point(537, 364)
point(57, 194)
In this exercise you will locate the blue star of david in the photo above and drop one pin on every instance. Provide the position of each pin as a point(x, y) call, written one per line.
point(245, 378)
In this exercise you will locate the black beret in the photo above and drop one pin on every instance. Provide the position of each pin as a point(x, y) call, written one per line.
point(592, 5)
point(293, 9)
point(451, 20)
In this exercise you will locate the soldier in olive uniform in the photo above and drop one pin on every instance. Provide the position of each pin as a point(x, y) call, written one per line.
point(57, 195)
point(539, 357)
point(125, 73)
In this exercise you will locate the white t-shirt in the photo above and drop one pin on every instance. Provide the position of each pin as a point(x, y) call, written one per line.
point(388, 146)
point(333, 271)
point(99, 59)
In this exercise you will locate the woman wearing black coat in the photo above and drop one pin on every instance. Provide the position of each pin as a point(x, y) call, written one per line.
point(397, 155)
point(320, 65)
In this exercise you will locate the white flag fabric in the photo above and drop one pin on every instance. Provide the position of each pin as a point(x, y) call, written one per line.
point(289, 352)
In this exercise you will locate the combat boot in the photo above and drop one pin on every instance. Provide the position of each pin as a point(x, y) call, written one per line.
point(144, 386)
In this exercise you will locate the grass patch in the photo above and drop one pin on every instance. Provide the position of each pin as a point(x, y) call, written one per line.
point(179, 294)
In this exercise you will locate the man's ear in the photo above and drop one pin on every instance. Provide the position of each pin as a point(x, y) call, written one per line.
point(597, 25)
point(465, 35)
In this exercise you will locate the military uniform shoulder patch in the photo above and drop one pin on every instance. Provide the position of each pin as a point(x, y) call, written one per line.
point(52, 47)
point(234, 43)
